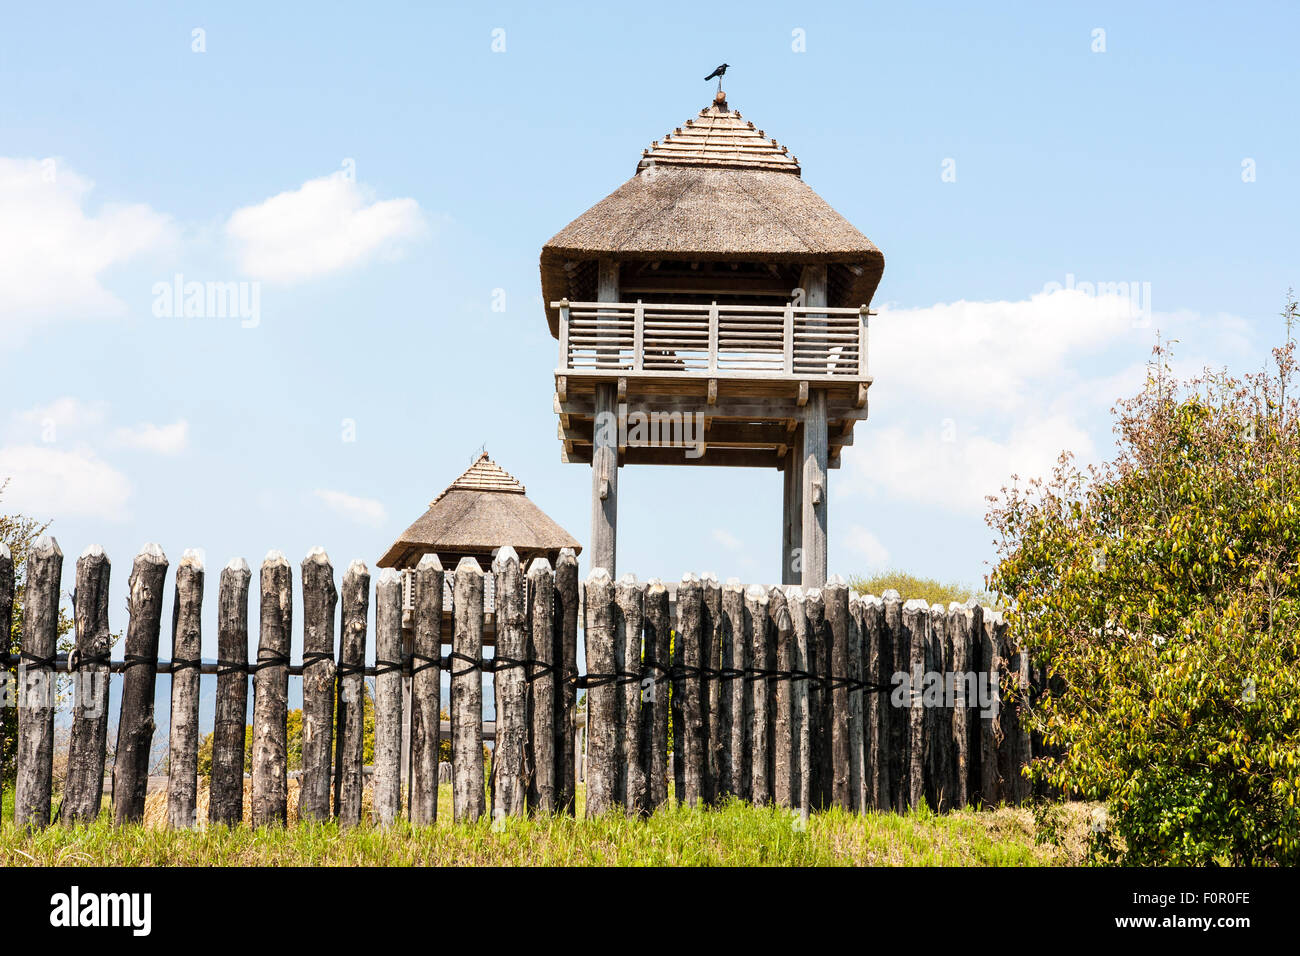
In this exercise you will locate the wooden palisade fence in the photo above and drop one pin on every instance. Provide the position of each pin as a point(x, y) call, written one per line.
point(773, 695)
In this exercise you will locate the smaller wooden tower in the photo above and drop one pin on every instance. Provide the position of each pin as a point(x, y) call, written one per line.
point(714, 286)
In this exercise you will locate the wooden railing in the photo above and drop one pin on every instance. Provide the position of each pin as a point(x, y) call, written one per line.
point(712, 341)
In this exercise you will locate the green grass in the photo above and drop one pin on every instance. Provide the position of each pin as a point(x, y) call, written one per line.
point(910, 586)
point(735, 835)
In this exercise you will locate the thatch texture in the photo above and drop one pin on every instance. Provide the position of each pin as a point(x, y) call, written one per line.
point(483, 509)
point(715, 188)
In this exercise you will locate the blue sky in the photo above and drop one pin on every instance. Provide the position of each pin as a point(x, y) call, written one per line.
point(382, 172)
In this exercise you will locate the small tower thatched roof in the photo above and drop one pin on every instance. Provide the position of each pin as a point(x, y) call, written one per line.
point(715, 188)
point(484, 509)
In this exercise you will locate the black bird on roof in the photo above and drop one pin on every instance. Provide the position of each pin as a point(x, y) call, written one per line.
point(718, 72)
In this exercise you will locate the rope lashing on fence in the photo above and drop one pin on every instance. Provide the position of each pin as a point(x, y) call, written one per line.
point(77, 660)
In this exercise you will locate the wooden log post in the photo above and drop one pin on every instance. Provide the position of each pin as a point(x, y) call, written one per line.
point(735, 774)
point(692, 745)
point(877, 671)
point(964, 714)
point(467, 790)
point(387, 800)
point(6, 629)
point(992, 638)
point(510, 688)
point(319, 601)
point(782, 694)
point(816, 451)
point(711, 632)
point(898, 714)
point(426, 690)
point(83, 791)
point(630, 786)
point(758, 634)
point(654, 706)
point(600, 634)
point(1014, 752)
point(819, 699)
point(916, 628)
point(135, 723)
point(801, 770)
point(36, 683)
point(836, 597)
point(348, 780)
point(857, 754)
point(270, 800)
point(226, 784)
point(566, 701)
point(940, 762)
point(544, 706)
point(187, 665)
point(792, 510)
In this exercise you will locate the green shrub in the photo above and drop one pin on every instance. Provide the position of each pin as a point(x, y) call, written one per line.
point(1162, 592)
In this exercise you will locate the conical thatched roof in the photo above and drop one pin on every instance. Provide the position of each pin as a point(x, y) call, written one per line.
point(483, 509)
point(714, 188)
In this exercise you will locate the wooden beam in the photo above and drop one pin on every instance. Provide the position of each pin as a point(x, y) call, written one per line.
point(725, 434)
point(718, 457)
point(755, 409)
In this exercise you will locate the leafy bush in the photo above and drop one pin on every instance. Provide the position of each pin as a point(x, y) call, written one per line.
point(1162, 592)
point(910, 586)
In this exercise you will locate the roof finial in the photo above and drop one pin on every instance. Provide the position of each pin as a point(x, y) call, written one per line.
point(720, 101)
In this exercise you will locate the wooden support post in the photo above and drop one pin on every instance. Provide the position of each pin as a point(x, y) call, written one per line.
point(690, 747)
point(468, 797)
point(83, 792)
point(710, 655)
point(6, 625)
point(782, 723)
point(270, 803)
point(604, 479)
point(735, 775)
point(510, 689)
point(599, 631)
point(964, 717)
point(878, 667)
point(654, 709)
point(939, 715)
point(543, 709)
point(348, 780)
point(387, 799)
point(992, 641)
point(857, 778)
point(836, 596)
point(319, 601)
point(916, 629)
point(36, 683)
point(801, 766)
point(226, 785)
point(898, 712)
point(426, 690)
point(566, 657)
point(1014, 751)
point(187, 662)
point(629, 598)
point(792, 510)
point(758, 632)
point(135, 724)
point(814, 498)
point(819, 698)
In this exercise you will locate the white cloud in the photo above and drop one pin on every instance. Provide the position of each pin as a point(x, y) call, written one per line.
point(47, 482)
point(160, 439)
point(364, 511)
point(66, 413)
point(727, 539)
point(863, 542)
point(54, 253)
point(326, 225)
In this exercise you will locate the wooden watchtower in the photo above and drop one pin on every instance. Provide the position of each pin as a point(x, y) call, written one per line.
point(714, 286)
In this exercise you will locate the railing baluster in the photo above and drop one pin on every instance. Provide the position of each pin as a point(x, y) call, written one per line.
point(713, 337)
point(565, 361)
point(789, 340)
point(638, 337)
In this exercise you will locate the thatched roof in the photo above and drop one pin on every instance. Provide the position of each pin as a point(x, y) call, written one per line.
point(715, 188)
point(483, 509)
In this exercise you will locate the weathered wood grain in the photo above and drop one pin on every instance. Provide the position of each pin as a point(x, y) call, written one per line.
point(320, 601)
point(510, 777)
point(270, 784)
point(655, 709)
point(600, 633)
point(36, 683)
point(387, 799)
point(836, 597)
point(545, 694)
point(734, 709)
point(566, 703)
point(757, 634)
point(783, 777)
point(135, 724)
point(426, 690)
point(711, 634)
point(226, 785)
point(83, 791)
point(468, 795)
point(629, 600)
point(183, 732)
point(348, 781)
point(6, 629)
